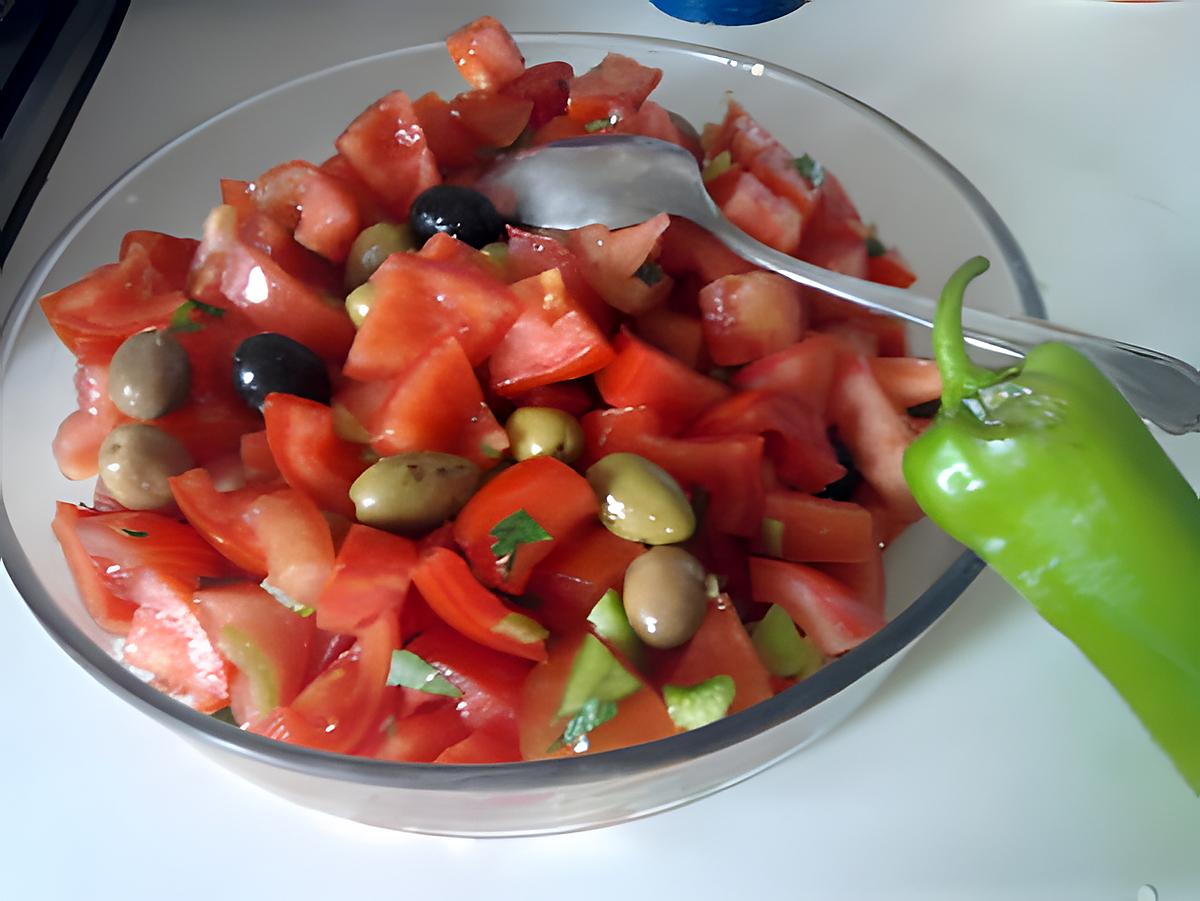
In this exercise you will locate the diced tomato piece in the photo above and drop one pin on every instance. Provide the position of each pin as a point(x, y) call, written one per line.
point(570, 581)
point(95, 314)
point(448, 249)
point(611, 261)
point(686, 247)
point(239, 195)
point(166, 640)
point(816, 530)
point(422, 737)
point(721, 646)
point(824, 608)
point(110, 612)
point(298, 546)
point(212, 428)
point(871, 335)
point(446, 583)
point(452, 143)
point(749, 316)
point(496, 119)
point(618, 430)
point(643, 375)
point(653, 121)
point(438, 405)
point(261, 232)
point(372, 573)
point(169, 256)
point(558, 129)
point(220, 518)
point(641, 717)
point(76, 444)
point(311, 457)
point(530, 254)
point(370, 206)
point(797, 442)
point(321, 210)
point(618, 86)
point(570, 397)
point(803, 371)
point(551, 341)
point(387, 149)
point(907, 381)
point(750, 205)
point(267, 644)
point(557, 498)
point(874, 432)
point(677, 334)
point(228, 272)
point(486, 54)
point(490, 681)
point(865, 579)
point(890, 268)
point(421, 301)
point(257, 460)
point(335, 710)
point(481, 747)
point(547, 86)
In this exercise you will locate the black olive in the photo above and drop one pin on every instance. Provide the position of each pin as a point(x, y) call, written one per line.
point(458, 211)
point(843, 488)
point(927, 410)
point(267, 363)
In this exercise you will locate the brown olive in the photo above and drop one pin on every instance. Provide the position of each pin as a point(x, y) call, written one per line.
point(640, 501)
point(135, 462)
point(414, 492)
point(665, 596)
point(149, 375)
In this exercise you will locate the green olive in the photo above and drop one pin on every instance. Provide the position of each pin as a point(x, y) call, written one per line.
point(544, 432)
point(149, 375)
point(374, 244)
point(135, 462)
point(640, 501)
point(359, 301)
point(414, 492)
point(665, 597)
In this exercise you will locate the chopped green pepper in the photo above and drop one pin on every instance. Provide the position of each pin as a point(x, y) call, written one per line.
point(1049, 475)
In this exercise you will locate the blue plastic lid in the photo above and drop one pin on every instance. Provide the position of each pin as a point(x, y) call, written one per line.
point(728, 12)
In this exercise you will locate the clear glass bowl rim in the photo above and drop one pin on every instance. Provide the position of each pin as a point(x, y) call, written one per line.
point(527, 775)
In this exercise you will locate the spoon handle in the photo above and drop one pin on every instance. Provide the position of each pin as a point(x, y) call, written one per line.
point(1162, 389)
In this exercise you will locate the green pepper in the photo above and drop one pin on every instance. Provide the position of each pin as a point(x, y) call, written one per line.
point(1049, 475)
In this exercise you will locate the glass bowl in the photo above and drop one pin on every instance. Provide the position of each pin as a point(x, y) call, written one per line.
point(915, 197)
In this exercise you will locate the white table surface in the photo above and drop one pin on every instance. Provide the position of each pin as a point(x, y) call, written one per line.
point(996, 765)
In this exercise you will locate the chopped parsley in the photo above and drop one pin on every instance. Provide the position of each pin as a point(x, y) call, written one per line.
point(650, 273)
point(875, 247)
point(600, 124)
point(184, 318)
point(810, 169)
point(135, 533)
point(593, 714)
point(513, 531)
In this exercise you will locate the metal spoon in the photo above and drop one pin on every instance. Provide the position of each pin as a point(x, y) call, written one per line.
point(621, 180)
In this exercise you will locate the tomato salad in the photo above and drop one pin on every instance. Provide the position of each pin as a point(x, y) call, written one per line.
point(381, 474)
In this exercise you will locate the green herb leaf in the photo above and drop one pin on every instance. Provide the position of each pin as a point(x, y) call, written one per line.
point(411, 671)
point(134, 533)
point(490, 452)
point(875, 247)
point(649, 272)
point(693, 706)
point(184, 318)
point(591, 715)
point(600, 124)
point(513, 531)
point(810, 169)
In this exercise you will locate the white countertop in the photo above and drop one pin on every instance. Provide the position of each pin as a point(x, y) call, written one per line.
point(996, 765)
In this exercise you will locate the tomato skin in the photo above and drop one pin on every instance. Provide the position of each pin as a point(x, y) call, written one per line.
point(642, 375)
point(641, 717)
point(752, 207)
point(220, 518)
point(865, 579)
point(547, 86)
point(803, 371)
point(489, 680)
point(486, 54)
point(557, 497)
point(907, 381)
point(558, 129)
point(244, 622)
point(551, 341)
point(687, 247)
point(257, 461)
point(297, 543)
point(746, 317)
point(721, 646)
point(677, 334)
point(496, 119)
point(446, 583)
point(453, 145)
point(321, 211)
point(574, 576)
point(171, 257)
point(422, 737)
point(372, 573)
point(111, 613)
point(609, 260)
point(653, 121)
point(386, 148)
point(871, 335)
point(76, 444)
point(166, 639)
point(570, 397)
point(310, 456)
point(890, 268)
point(616, 87)
point(817, 530)
point(481, 747)
point(824, 608)
point(530, 254)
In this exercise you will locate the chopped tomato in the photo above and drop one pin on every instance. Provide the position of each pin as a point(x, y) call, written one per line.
point(888, 335)
point(297, 543)
point(558, 129)
point(421, 737)
point(547, 86)
point(481, 747)
point(371, 573)
point(311, 457)
point(257, 461)
point(750, 205)
point(169, 256)
point(570, 397)
point(420, 302)
point(496, 119)
point(643, 375)
point(907, 381)
point(446, 583)
point(485, 54)
point(746, 317)
point(557, 498)
point(807, 529)
point(551, 341)
point(824, 608)
point(652, 121)
point(369, 204)
point(890, 268)
point(220, 518)
point(530, 254)
point(803, 371)
point(865, 579)
point(615, 88)
point(720, 646)
point(678, 334)
point(110, 612)
point(386, 148)
point(640, 717)
point(686, 247)
point(266, 643)
point(76, 444)
point(453, 145)
point(320, 209)
point(572, 578)
point(613, 263)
